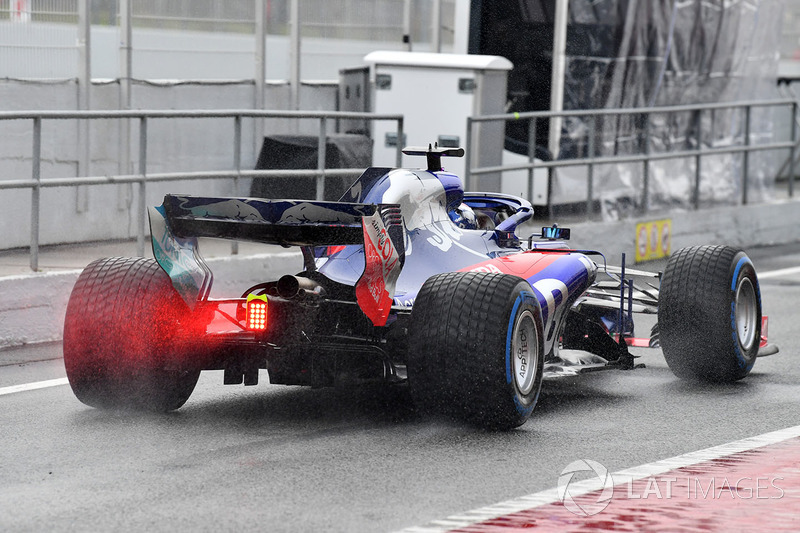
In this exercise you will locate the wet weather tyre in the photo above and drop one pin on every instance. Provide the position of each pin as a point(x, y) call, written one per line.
point(709, 314)
point(124, 344)
point(475, 348)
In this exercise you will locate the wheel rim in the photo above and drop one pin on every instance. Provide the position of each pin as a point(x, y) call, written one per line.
point(525, 352)
point(746, 312)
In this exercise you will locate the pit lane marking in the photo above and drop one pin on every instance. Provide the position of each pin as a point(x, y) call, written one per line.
point(33, 386)
point(779, 272)
point(551, 496)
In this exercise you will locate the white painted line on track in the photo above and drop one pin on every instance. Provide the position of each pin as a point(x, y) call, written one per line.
point(780, 272)
point(33, 386)
point(551, 496)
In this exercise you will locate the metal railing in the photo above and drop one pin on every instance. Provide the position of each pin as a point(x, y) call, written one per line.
point(592, 160)
point(36, 183)
point(786, 90)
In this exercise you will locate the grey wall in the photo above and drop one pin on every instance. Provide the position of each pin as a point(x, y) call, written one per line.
point(109, 211)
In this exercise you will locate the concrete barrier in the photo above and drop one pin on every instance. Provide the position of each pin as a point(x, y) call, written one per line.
point(32, 307)
point(745, 226)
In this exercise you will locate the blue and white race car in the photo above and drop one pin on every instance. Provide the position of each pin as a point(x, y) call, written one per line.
point(407, 280)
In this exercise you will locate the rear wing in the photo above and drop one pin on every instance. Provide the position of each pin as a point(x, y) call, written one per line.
point(180, 220)
point(284, 222)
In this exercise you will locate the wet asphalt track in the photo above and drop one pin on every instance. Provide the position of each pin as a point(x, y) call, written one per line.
point(275, 458)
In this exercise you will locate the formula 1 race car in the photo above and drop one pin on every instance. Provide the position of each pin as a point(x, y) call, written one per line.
point(406, 280)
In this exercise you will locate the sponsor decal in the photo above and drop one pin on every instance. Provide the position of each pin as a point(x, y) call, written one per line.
point(178, 259)
point(488, 268)
point(306, 212)
point(554, 292)
point(653, 240)
point(375, 287)
point(524, 265)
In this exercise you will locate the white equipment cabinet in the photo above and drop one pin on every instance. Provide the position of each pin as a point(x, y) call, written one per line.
point(436, 93)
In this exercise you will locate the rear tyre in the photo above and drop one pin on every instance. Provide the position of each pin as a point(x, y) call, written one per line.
point(475, 348)
point(125, 346)
point(709, 314)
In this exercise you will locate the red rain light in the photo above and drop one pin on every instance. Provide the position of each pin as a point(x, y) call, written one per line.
point(256, 316)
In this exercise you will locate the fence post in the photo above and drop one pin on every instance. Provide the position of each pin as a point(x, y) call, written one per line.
point(84, 99)
point(713, 131)
point(551, 171)
point(125, 81)
point(294, 53)
point(399, 157)
point(36, 191)
point(436, 30)
point(468, 185)
point(590, 170)
point(746, 162)
point(646, 166)
point(699, 133)
point(260, 71)
point(792, 152)
point(142, 215)
point(531, 155)
point(322, 145)
point(237, 164)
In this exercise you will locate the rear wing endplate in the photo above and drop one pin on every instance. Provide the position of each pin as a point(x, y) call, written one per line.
point(180, 258)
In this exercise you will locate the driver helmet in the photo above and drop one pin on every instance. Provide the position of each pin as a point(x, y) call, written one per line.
point(464, 217)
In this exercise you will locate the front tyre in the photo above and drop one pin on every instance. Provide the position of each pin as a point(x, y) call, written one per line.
point(709, 314)
point(475, 348)
point(126, 338)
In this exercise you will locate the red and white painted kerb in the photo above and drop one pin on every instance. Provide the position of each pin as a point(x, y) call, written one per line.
point(748, 485)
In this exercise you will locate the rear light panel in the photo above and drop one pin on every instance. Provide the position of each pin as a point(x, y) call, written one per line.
point(256, 314)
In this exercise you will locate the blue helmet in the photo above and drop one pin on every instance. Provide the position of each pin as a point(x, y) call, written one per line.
point(464, 217)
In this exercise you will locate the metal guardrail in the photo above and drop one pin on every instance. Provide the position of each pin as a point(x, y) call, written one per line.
point(36, 183)
point(793, 145)
point(785, 89)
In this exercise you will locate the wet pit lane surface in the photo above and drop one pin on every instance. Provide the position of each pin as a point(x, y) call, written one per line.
point(738, 491)
point(274, 458)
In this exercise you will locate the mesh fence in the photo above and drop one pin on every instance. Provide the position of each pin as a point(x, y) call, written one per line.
point(374, 20)
point(195, 15)
point(790, 41)
point(38, 37)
